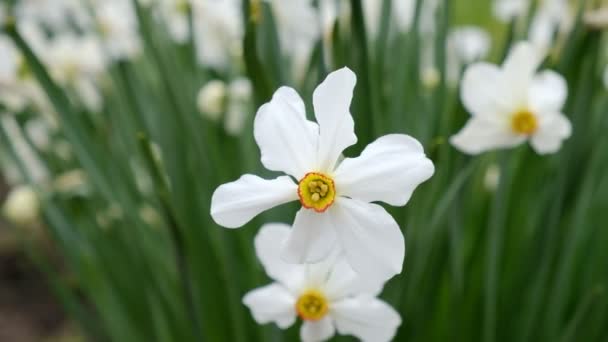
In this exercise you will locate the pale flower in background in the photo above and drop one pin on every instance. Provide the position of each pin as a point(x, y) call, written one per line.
point(53, 14)
point(36, 170)
point(175, 15)
point(327, 296)
point(513, 104)
point(77, 71)
point(22, 206)
point(508, 10)
point(552, 18)
point(336, 193)
point(117, 26)
point(211, 98)
point(218, 31)
point(465, 45)
point(299, 28)
point(239, 100)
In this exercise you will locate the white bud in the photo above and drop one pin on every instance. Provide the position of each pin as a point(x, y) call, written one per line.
point(211, 98)
point(430, 77)
point(491, 178)
point(22, 206)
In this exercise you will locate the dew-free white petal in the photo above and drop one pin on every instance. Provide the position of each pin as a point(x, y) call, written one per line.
point(520, 66)
point(268, 243)
point(272, 303)
point(287, 141)
point(367, 318)
point(548, 92)
point(480, 135)
point(554, 128)
point(388, 170)
point(331, 100)
point(483, 91)
point(312, 237)
point(316, 331)
point(370, 238)
point(236, 203)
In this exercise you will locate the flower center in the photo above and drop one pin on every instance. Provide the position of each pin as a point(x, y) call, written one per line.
point(524, 122)
point(312, 305)
point(316, 191)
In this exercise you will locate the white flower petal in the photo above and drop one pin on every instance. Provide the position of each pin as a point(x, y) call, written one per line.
point(483, 91)
point(342, 281)
point(272, 303)
point(548, 92)
point(388, 170)
point(312, 237)
point(236, 203)
point(316, 331)
point(268, 243)
point(287, 141)
point(331, 102)
point(480, 135)
point(520, 66)
point(370, 238)
point(367, 318)
point(553, 129)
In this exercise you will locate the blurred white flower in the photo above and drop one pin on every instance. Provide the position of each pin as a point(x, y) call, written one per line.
point(53, 14)
point(211, 98)
point(18, 88)
point(76, 62)
point(175, 14)
point(551, 18)
point(508, 10)
point(239, 98)
point(465, 45)
point(299, 28)
point(512, 104)
point(117, 25)
point(328, 296)
point(218, 31)
point(336, 195)
point(22, 206)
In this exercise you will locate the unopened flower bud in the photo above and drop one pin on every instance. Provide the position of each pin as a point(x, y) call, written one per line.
point(211, 98)
point(22, 206)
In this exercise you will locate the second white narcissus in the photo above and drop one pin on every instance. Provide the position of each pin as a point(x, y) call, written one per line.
point(335, 192)
point(513, 104)
point(327, 296)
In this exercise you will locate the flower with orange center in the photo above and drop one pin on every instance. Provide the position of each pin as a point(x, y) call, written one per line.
point(328, 297)
point(312, 305)
point(336, 193)
point(512, 104)
point(316, 191)
point(524, 122)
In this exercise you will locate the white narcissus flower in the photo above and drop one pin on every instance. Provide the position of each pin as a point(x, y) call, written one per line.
point(336, 195)
point(467, 44)
point(218, 31)
point(328, 296)
point(513, 104)
point(79, 71)
point(117, 25)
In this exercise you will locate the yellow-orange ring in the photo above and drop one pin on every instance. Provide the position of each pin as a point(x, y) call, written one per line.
point(325, 178)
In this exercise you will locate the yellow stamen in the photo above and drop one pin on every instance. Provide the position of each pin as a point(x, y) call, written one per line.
point(312, 305)
point(316, 191)
point(524, 122)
